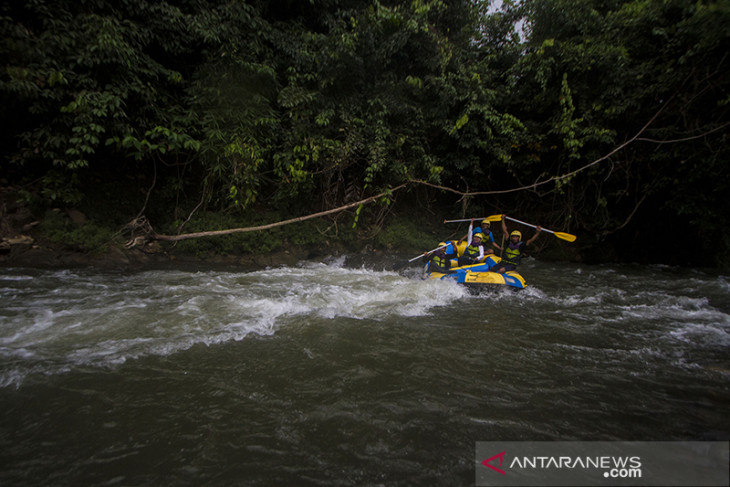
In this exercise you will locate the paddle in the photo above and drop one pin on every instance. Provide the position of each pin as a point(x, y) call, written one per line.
point(561, 235)
point(403, 264)
point(434, 250)
point(491, 218)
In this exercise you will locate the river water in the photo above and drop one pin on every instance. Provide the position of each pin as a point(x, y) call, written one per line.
point(335, 373)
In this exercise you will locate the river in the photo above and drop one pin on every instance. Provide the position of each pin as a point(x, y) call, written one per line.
point(340, 373)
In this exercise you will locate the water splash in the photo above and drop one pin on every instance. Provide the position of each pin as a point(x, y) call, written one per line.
point(71, 319)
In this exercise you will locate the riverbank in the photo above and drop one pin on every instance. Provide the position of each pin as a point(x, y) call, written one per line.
point(67, 238)
point(27, 251)
point(24, 251)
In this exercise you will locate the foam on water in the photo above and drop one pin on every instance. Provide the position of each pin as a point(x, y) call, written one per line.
point(66, 319)
point(55, 321)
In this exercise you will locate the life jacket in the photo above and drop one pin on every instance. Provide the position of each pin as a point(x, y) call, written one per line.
point(472, 252)
point(513, 253)
point(439, 264)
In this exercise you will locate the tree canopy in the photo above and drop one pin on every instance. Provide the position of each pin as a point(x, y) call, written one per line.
point(299, 107)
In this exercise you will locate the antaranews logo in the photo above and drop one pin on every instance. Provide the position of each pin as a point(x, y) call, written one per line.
point(574, 463)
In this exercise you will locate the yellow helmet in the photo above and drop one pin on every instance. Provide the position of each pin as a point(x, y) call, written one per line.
point(516, 232)
point(486, 223)
point(480, 235)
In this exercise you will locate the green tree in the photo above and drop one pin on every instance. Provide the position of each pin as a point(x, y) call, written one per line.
point(295, 106)
point(81, 75)
point(593, 74)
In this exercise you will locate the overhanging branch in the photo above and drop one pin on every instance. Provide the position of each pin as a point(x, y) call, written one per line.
point(150, 234)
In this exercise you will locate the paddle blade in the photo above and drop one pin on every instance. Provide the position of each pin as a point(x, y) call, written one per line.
point(565, 236)
point(493, 218)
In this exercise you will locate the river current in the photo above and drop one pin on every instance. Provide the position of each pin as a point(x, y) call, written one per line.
point(335, 373)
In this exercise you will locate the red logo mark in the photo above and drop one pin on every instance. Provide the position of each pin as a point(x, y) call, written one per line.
point(501, 459)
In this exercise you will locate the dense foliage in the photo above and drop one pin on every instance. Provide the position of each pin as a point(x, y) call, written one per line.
point(292, 106)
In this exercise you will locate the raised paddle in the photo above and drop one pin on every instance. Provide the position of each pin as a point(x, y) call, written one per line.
point(403, 264)
point(491, 218)
point(561, 235)
point(426, 253)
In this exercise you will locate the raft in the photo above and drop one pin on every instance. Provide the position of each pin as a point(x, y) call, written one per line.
point(477, 277)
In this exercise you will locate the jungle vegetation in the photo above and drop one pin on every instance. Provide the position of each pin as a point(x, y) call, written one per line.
point(604, 118)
